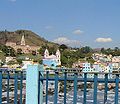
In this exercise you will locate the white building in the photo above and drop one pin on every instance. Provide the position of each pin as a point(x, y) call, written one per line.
point(51, 60)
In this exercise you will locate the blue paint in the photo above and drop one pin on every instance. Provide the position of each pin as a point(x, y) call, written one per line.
point(65, 84)
point(116, 88)
point(56, 88)
point(21, 86)
point(50, 63)
point(0, 87)
point(95, 89)
point(47, 73)
point(32, 85)
point(75, 89)
point(38, 78)
point(85, 87)
point(106, 88)
point(86, 69)
point(7, 87)
point(16, 88)
point(39, 87)
point(41, 84)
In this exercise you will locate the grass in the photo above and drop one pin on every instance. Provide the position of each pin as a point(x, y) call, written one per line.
point(36, 57)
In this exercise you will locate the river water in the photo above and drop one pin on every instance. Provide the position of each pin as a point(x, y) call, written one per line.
point(100, 97)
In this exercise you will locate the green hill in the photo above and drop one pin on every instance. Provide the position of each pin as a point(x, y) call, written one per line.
point(31, 38)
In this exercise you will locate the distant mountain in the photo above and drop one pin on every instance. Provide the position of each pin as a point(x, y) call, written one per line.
point(31, 38)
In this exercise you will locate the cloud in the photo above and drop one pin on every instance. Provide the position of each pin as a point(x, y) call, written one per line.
point(68, 42)
point(77, 32)
point(103, 40)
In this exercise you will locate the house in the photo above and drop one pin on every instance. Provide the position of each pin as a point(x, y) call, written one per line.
point(87, 69)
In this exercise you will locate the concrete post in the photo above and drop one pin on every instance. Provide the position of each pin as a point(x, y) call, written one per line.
point(32, 77)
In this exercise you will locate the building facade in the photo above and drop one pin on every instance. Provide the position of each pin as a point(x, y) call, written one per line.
point(51, 60)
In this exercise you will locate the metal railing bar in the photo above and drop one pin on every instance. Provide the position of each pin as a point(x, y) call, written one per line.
point(116, 88)
point(21, 87)
point(106, 88)
point(85, 87)
point(56, 88)
point(39, 77)
point(7, 87)
point(80, 79)
point(65, 86)
point(16, 88)
point(95, 89)
point(13, 77)
point(75, 89)
point(79, 72)
point(0, 87)
point(47, 73)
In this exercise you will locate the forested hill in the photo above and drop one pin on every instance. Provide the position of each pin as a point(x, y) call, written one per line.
point(31, 38)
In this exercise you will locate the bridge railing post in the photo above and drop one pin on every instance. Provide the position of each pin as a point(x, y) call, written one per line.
point(116, 88)
point(95, 88)
point(0, 87)
point(32, 83)
point(85, 87)
point(75, 88)
point(106, 88)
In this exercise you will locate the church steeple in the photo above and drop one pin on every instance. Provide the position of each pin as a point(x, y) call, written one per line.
point(58, 57)
point(23, 40)
point(46, 53)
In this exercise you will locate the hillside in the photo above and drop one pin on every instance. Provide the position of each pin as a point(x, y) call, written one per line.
point(31, 38)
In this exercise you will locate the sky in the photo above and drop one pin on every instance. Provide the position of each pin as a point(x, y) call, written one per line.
point(94, 23)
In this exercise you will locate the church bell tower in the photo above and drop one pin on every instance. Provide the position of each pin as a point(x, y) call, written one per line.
point(23, 41)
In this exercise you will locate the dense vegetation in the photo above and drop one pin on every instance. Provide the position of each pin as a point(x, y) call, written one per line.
point(113, 52)
point(7, 50)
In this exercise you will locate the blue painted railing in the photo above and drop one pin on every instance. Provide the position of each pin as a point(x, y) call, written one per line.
point(11, 87)
point(75, 78)
point(57, 76)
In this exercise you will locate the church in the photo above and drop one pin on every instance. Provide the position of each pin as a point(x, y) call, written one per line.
point(51, 61)
point(25, 48)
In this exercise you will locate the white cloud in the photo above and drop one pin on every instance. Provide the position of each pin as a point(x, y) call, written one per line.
point(103, 40)
point(77, 32)
point(66, 41)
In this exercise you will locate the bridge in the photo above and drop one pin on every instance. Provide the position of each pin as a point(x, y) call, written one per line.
point(32, 86)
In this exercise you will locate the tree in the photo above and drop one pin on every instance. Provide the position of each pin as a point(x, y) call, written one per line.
point(52, 50)
point(109, 51)
point(116, 49)
point(102, 50)
point(63, 60)
point(86, 49)
point(19, 61)
point(19, 51)
point(63, 47)
point(42, 49)
point(9, 51)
